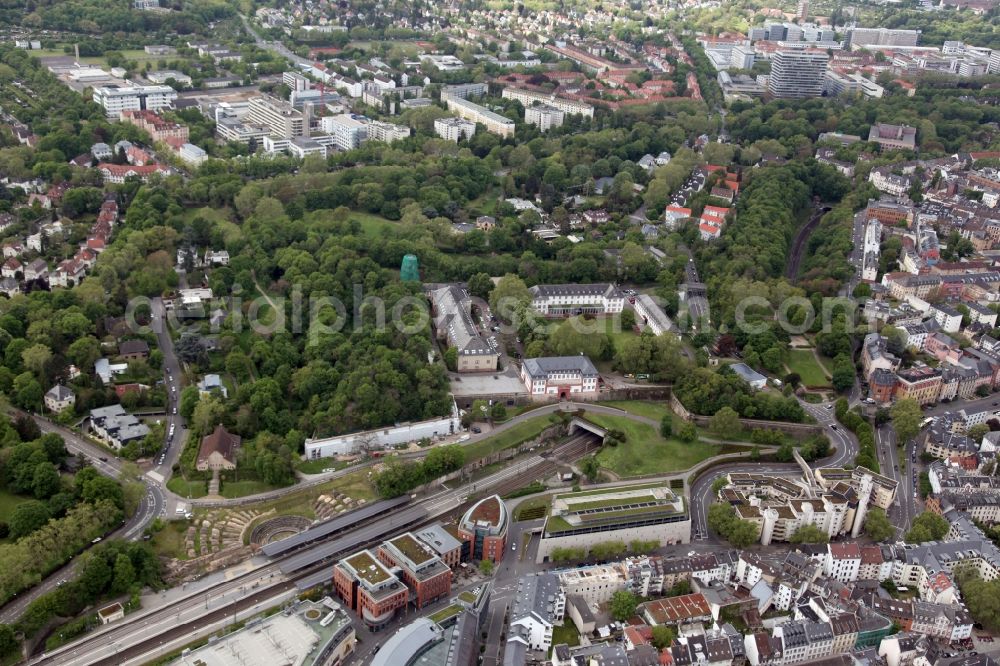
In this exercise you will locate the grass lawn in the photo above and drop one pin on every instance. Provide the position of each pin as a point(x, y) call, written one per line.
point(169, 541)
point(194, 489)
point(804, 363)
point(567, 634)
point(534, 508)
point(649, 410)
point(9, 501)
point(510, 437)
point(317, 466)
point(372, 225)
point(232, 489)
point(645, 452)
point(615, 331)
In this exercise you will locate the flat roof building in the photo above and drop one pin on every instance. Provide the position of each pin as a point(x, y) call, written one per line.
point(309, 633)
point(282, 120)
point(493, 122)
point(797, 73)
point(543, 116)
point(647, 512)
point(369, 588)
point(530, 97)
point(453, 129)
point(116, 99)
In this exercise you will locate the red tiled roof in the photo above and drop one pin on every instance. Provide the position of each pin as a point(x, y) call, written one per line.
point(221, 441)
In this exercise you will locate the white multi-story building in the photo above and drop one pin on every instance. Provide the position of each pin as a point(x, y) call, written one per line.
point(493, 122)
point(231, 129)
point(463, 91)
point(530, 97)
point(652, 315)
point(564, 300)
point(539, 605)
point(296, 81)
point(742, 57)
point(837, 83)
point(872, 248)
point(116, 99)
point(386, 132)
point(886, 181)
point(797, 73)
point(544, 116)
point(348, 131)
point(843, 561)
point(453, 129)
point(282, 120)
point(860, 37)
point(560, 376)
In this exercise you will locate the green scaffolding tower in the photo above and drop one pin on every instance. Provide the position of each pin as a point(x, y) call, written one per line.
point(409, 271)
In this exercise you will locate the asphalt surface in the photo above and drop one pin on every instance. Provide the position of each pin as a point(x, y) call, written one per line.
point(156, 497)
point(907, 504)
point(174, 383)
point(276, 47)
point(157, 625)
point(149, 507)
point(846, 447)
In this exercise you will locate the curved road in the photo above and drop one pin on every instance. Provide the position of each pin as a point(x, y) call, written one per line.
point(151, 505)
point(701, 491)
point(156, 496)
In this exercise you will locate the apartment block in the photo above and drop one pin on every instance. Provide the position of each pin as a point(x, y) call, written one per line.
point(530, 98)
point(493, 122)
point(797, 73)
point(454, 129)
point(282, 120)
point(116, 99)
point(543, 116)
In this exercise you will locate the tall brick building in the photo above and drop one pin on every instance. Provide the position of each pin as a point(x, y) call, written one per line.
point(369, 588)
point(484, 528)
point(423, 572)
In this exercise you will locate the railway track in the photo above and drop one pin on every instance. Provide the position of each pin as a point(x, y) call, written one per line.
point(294, 568)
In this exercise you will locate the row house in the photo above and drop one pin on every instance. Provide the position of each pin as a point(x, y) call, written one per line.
point(922, 384)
